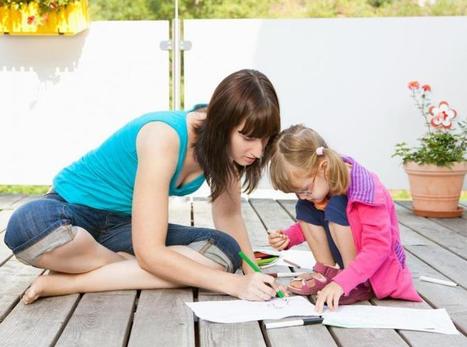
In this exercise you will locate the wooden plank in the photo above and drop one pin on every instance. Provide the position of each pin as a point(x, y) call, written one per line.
point(38, 324)
point(180, 210)
point(439, 258)
point(288, 205)
point(5, 252)
point(272, 215)
point(16, 278)
point(458, 225)
point(367, 337)
point(100, 319)
point(275, 217)
point(256, 230)
point(237, 334)
point(310, 335)
point(4, 218)
point(213, 334)
point(420, 338)
point(453, 299)
point(435, 232)
point(163, 319)
point(24, 200)
point(202, 213)
point(7, 200)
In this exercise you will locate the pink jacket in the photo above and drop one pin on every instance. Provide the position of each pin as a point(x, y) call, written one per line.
point(380, 256)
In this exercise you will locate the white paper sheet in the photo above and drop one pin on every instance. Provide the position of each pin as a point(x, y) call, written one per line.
point(303, 258)
point(359, 316)
point(353, 316)
point(237, 311)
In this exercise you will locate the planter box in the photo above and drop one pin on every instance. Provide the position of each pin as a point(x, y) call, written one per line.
point(25, 19)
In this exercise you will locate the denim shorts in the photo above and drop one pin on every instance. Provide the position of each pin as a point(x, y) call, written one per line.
point(44, 224)
point(334, 212)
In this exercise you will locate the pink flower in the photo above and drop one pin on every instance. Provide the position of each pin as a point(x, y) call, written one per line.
point(414, 85)
point(426, 88)
point(442, 115)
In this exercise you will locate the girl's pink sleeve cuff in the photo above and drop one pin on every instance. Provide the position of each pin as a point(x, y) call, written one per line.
point(295, 235)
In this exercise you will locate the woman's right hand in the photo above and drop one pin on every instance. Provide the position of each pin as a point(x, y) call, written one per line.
point(278, 240)
point(254, 287)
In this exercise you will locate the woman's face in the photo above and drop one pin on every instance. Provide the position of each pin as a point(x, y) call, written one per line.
point(245, 150)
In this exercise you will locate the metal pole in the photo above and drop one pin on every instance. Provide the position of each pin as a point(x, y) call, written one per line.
point(176, 64)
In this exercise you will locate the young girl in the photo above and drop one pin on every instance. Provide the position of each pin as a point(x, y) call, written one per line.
point(113, 202)
point(346, 216)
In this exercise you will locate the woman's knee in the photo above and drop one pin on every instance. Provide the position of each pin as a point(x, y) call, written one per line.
point(219, 247)
point(36, 228)
point(31, 222)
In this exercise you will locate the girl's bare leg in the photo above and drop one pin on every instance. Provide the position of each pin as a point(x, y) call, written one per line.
point(342, 236)
point(315, 236)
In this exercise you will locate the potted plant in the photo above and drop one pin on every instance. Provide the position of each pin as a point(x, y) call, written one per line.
point(43, 17)
point(436, 168)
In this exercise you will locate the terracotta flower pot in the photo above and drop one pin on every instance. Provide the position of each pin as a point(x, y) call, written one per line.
point(436, 190)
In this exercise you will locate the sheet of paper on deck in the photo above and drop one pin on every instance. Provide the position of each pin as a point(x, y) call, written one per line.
point(352, 316)
point(237, 311)
point(373, 317)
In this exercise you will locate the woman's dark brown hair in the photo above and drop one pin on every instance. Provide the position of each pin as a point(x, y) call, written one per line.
point(245, 95)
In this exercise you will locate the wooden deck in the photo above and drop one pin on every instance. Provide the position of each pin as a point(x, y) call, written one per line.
point(435, 247)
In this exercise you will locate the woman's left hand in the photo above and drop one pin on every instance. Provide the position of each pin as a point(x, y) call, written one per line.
point(329, 295)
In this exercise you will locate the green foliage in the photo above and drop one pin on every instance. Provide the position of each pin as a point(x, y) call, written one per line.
point(379, 3)
point(438, 148)
point(163, 9)
point(22, 189)
point(47, 5)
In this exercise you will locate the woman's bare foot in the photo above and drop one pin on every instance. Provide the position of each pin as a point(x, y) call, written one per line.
point(52, 284)
point(57, 283)
point(35, 291)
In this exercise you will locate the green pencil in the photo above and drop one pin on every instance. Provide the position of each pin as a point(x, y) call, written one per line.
point(255, 268)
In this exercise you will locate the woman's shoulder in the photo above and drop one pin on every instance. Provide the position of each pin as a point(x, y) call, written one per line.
point(157, 136)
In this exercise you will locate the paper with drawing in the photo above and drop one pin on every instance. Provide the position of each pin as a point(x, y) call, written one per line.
point(353, 316)
point(236, 311)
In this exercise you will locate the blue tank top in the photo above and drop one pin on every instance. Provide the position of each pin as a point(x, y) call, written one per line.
point(104, 178)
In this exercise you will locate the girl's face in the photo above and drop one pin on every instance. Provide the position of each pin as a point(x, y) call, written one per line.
point(245, 150)
point(311, 187)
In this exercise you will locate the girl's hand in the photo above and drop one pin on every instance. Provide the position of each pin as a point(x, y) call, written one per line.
point(278, 240)
point(329, 294)
point(254, 287)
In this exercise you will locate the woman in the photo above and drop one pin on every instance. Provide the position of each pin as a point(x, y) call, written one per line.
point(113, 202)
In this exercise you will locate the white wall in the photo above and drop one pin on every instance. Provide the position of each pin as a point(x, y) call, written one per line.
point(346, 78)
point(61, 96)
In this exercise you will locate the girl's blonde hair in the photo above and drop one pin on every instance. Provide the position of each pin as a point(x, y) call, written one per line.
point(296, 146)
